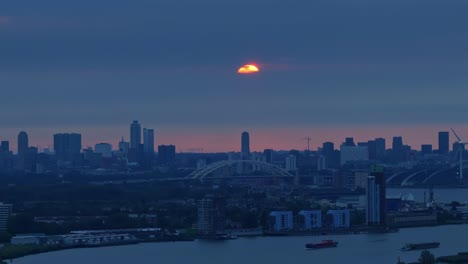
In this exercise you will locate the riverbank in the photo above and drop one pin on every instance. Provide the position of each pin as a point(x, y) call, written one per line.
point(10, 251)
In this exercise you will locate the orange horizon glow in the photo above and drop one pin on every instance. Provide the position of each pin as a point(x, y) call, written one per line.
point(248, 69)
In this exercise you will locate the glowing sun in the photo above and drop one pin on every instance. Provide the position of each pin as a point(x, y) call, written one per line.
point(247, 69)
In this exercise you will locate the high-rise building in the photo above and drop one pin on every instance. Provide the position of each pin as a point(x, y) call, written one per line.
point(373, 202)
point(332, 156)
point(5, 146)
point(376, 197)
point(166, 154)
point(268, 155)
point(148, 140)
point(245, 145)
point(291, 163)
point(443, 142)
point(426, 149)
point(135, 135)
point(124, 146)
point(371, 145)
point(349, 142)
point(211, 215)
point(105, 149)
point(353, 153)
point(23, 144)
point(5, 213)
point(380, 148)
point(397, 143)
point(67, 146)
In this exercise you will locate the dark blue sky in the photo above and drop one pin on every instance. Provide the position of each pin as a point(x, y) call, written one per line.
point(172, 65)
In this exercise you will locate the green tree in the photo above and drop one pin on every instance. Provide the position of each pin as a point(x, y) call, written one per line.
point(427, 258)
point(5, 237)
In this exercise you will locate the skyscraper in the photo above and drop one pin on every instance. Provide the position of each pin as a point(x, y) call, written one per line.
point(376, 197)
point(23, 144)
point(135, 135)
point(291, 163)
point(67, 146)
point(268, 155)
point(5, 146)
point(148, 140)
point(349, 142)
point(380, 148)
point(166, 154)
point(443, 142)
point(245, 145)
point(426, 149)
point(397, 143)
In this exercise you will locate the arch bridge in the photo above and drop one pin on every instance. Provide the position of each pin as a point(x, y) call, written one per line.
point(273, 170)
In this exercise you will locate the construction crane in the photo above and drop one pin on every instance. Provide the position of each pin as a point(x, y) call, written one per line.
point(461, 145)
point(308, 142)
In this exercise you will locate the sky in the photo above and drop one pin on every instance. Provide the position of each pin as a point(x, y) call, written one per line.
point(328, 69)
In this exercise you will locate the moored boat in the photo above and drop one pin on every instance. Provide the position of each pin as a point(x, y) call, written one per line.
point(420, 246)
point(323, 244)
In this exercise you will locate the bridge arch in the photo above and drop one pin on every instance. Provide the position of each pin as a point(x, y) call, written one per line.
point(204, 172)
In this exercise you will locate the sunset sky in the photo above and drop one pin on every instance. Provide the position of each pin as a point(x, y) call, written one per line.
point(329, 69)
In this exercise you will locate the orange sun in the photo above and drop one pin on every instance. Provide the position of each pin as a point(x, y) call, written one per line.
point(248, 69)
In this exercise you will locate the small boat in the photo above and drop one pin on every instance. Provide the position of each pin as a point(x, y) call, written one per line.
point(420, 246)
point(323, 244)
point(225, 237)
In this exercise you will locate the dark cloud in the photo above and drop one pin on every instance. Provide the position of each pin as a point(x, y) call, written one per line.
point(93, 62)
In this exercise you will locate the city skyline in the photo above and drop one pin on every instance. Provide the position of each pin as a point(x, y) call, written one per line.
point(227, 141)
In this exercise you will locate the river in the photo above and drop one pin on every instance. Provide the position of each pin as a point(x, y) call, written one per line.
point(362, 249)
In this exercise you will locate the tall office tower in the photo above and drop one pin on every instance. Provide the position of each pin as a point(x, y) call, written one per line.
point(67, 146)
point(426, 149)
point(372, 149)
point(376, 197)
point(166, 154)
point(443, 142)
point(332, 157)
point(23, 144)
point(245, 145)
point(148, 140)
point(5, 146)
point(380, 148)
point(349, 142)
point(135, 135)
point(397, 143)
point(5, 213)
point(124, 146)
point(291, 163)
point(211, 215)
point(268, 155)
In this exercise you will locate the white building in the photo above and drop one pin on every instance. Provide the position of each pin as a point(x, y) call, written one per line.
point(5, 213)
point(291, 163)
point(373, 201)
point(282, 220)
point(312, 219)
point(341, 218)
point(105, 149)
point(353, 153)
point(321, 163)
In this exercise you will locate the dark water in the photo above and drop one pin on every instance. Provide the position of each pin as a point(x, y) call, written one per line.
point(362, 249)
